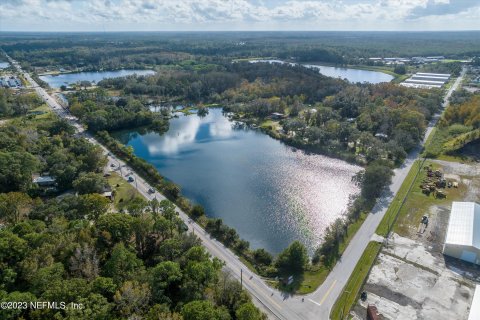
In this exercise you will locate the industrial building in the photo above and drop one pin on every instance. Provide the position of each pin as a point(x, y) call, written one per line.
point(475, 307)
point(10, 82)
point(463, 233)
point(427, 80)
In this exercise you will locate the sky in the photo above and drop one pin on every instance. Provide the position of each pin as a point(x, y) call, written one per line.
point(239, 15)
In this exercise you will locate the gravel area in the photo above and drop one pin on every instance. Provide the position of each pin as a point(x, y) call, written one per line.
point(409, 282)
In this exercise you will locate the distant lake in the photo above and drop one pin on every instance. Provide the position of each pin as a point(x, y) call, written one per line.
point(56, 81)
point(270, 193)
point(352, 75)
point(4, 65)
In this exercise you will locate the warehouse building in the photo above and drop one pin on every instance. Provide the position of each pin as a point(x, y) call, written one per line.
point(427, 80)
point(463, 233)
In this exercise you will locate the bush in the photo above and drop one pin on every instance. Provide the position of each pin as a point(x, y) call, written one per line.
point(197, 211)
point(457, 129)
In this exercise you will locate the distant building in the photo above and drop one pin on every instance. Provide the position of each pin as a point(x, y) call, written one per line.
point(463, 233)
point(45, 181)
point(277, 115)
point(427, 80)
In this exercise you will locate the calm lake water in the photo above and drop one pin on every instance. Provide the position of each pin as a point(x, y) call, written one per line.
point(352, 75)
point(56, 81)
point(270, 193)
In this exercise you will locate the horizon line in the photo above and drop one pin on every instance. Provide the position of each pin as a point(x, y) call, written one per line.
point(200, 31)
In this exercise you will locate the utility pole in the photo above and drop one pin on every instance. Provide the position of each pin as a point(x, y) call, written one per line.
point(241, 278)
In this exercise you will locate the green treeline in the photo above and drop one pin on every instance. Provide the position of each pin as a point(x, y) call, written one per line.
point(137, 50)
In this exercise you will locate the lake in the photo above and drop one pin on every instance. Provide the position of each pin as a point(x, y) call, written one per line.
point(352, 75)
point(4, 65)
point(56, 81)
point(270, 193)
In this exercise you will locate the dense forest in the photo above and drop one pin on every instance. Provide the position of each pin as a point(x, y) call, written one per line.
point(73, 246)
point(100, 112)
point(94, 51)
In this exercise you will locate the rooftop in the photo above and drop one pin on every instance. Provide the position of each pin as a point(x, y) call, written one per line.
point(464, 224)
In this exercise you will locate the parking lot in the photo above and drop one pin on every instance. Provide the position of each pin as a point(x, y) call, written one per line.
point(409, 282)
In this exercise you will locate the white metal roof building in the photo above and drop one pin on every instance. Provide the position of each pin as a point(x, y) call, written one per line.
point(475, 307)
point(463, 233)
point(426, 80)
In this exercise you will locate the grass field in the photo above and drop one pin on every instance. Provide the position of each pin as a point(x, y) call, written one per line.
point(124, 191)
point(348, 298)
point(417, 204)
point(396, 204)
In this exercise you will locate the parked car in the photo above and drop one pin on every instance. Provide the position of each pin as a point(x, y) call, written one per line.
point(130, 179)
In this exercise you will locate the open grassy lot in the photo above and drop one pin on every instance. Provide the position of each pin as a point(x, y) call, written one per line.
point(396, 204)
point(40, 115)
point(352, 289)
point(417, 204)
point(124, 191)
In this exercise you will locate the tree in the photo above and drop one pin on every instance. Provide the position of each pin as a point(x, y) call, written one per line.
point(95, 306)
point(47, 277)
point(93, 205)
point(136, 206)
point(262, 257)
point(167, 209)
point(197, 211)
point(132, 299)
point(89, 183)
point(293, 259)
point(104, 286)
point(60, 125)
point(123, 264)
point(117, 225)
point(248, 311)
point(16, 169)
point(165, 279)
point(162, 312)
point(203, 310)
point(15, 206)
point(84, 262)
point(373, 179)
point(12, 248)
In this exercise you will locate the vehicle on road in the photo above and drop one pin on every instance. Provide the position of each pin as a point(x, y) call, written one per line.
point(183, 226)
point(151, 191)
point(130, 179)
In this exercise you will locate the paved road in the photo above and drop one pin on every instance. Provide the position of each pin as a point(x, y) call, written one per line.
point(276, 304)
